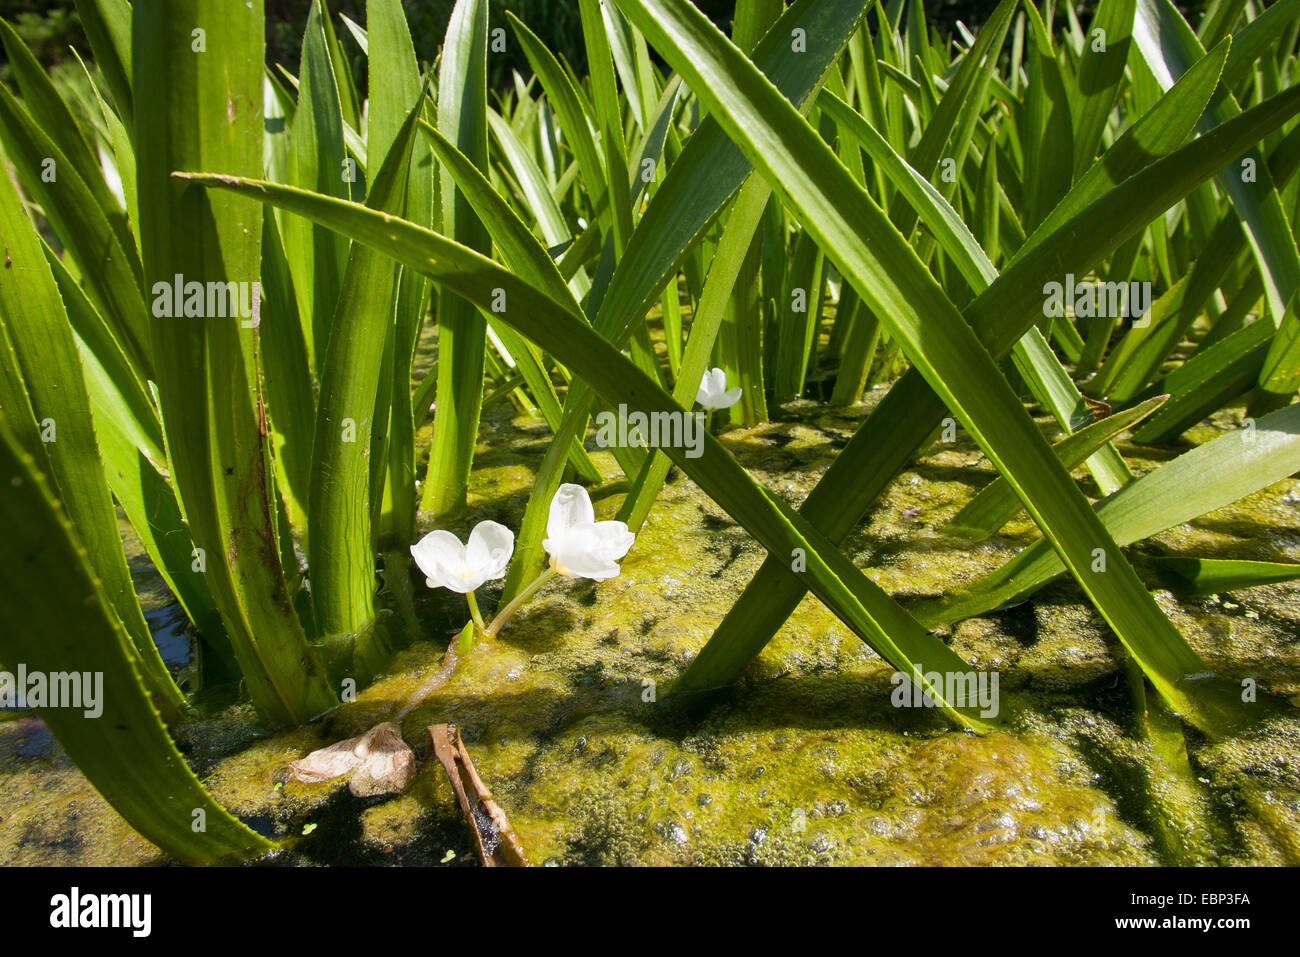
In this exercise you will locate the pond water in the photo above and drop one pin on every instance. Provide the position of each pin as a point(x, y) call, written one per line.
point(568, 718)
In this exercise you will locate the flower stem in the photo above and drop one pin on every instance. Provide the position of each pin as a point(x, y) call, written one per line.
point(459, 645)
point(474, 612)
point(508, 612)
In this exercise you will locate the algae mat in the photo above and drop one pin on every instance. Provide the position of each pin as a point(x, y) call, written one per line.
point(569, 722)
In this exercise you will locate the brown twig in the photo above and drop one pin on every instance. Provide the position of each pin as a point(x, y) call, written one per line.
point(494, 838)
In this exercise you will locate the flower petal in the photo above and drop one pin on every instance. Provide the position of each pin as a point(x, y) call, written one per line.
point(489, 549)
point(613, 539)
point(714, 381)
point(441, 557)
point(591, 551)
point(728, 398)
point(570, 508)
point(576, 555)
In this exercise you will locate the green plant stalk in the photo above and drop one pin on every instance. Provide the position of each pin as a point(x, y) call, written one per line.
point(394, 84)
point(208, 384)
point(475, 615)
point(316, 257)
point(340, 553)
point(744, 227)
point(462, 332)
point(502, 617)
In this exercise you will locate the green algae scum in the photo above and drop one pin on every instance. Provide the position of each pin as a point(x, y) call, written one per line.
point(814, 433)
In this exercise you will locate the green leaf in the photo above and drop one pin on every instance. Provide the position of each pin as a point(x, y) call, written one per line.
point(340, 555)
point(462, 118)
point(290, 389)
point(123, 750)
point(1208, 477)
point(537, 195)
point(1170, 47)
point(1049, 143)
point(53, 117)
point(135, 464)
point(796, 331)
point(1207, 381)
point(1250, 42)
point(996, 503)
point(1101, 74)
point(525, 256)
point(1281, 370)
point(725, 270)
point(45, 366)
point(1210, 576)
point(958, 109)
point(565, 99)
point(110, 270)
point(207, 372)
point(108, 28)
point(394, 83)
point(317, 155)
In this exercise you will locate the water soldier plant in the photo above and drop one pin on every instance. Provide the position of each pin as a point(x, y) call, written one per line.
point(221, 281)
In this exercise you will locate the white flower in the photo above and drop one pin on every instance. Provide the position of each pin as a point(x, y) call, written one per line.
point(580, 546)
point(447, 563)
point(714, 393)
